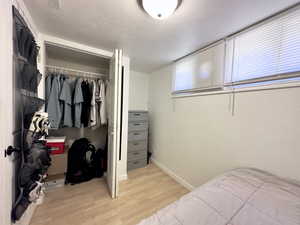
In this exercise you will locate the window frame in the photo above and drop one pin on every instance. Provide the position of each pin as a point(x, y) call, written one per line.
point(200, 89)
point(280, 80)
point(229, 63)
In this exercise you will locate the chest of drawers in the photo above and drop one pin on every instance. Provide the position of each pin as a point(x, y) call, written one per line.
point(137, 139)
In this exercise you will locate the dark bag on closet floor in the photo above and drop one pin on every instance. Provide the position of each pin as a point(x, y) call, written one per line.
point(99, 162)
point(80, 167)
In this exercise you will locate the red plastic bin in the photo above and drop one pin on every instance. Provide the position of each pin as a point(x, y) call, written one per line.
point(56, 145)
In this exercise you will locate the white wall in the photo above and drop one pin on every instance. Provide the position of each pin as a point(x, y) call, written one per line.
point(197, 138)
point(62, 57)
point(74, 65)
point(138, 91)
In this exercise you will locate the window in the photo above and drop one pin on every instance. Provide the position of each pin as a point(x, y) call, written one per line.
point(201, 71)
point(264, 54)
point(270, 51)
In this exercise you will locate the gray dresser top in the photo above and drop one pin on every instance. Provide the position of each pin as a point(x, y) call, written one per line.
point(138, 111)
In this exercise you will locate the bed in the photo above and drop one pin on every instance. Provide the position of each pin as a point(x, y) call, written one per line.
point(238, 197)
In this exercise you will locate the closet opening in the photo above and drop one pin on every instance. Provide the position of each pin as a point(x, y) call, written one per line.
point(81, 93)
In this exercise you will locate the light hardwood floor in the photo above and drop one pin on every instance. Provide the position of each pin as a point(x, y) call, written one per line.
point(146, 191)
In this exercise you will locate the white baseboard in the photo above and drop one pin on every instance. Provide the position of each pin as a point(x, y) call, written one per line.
point(123, 177)
point(179, 179)
point(26, 218)
point(28, 214)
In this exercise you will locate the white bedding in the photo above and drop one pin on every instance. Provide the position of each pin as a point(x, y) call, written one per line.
point(239, 197)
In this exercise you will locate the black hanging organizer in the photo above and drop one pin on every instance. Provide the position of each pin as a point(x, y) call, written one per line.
point(26, 102)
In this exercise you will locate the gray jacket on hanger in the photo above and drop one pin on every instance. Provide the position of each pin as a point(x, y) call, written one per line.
point(77, 101)
point(48, 84)
point(53, 106)
point(66, 98)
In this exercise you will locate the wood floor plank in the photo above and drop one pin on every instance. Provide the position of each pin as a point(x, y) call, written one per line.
point(146, 191)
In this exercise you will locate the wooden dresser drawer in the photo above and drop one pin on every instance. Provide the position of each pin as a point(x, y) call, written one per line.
point(137, 135)
point(134, 155)
point(139, 163)
point(138, 125)
point(137, 145)
point(138, 116)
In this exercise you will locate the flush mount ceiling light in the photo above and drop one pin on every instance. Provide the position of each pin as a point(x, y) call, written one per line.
point(160, 9)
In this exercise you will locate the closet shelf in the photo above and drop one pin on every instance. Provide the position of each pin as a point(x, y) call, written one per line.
point(77, 72)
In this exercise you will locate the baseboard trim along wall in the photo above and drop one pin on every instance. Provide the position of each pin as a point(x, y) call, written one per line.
point(27, 216)
point(179, 179)
point(123, 177)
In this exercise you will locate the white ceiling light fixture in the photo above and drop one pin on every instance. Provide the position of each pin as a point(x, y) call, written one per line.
point(160, 9)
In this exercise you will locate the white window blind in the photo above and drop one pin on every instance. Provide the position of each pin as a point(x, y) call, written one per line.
point(201, 71)
point(271, 50)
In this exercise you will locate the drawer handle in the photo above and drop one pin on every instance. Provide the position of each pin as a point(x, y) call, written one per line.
point(136, 153)
point(137, 114)
point(135, 144)
point(137, 124)
point(135, 163)
point(136, 134)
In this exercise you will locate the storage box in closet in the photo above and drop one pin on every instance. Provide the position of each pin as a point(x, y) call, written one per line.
point(56, 145)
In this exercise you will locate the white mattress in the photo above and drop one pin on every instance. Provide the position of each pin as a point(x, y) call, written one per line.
point(239, 197)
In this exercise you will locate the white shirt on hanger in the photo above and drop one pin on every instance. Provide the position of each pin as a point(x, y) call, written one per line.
point(103, 116)
point(93, 113)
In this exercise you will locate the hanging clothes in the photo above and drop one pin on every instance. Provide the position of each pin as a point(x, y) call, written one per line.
point(48, 84)
point(97, 106)
point(101, 107)
point(66, 99)
point(102, 96)
point(53, 106)
point(77, 103)
point(86, 106)
point(61, 103)
point(93, 113)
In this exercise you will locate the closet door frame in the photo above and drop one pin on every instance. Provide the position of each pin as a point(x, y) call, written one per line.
point(114, 123)
point(121, 165)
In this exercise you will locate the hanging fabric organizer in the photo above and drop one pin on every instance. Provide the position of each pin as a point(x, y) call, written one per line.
point(29, 124)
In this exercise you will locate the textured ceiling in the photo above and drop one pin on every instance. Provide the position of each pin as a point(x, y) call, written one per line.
point(149, 43)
